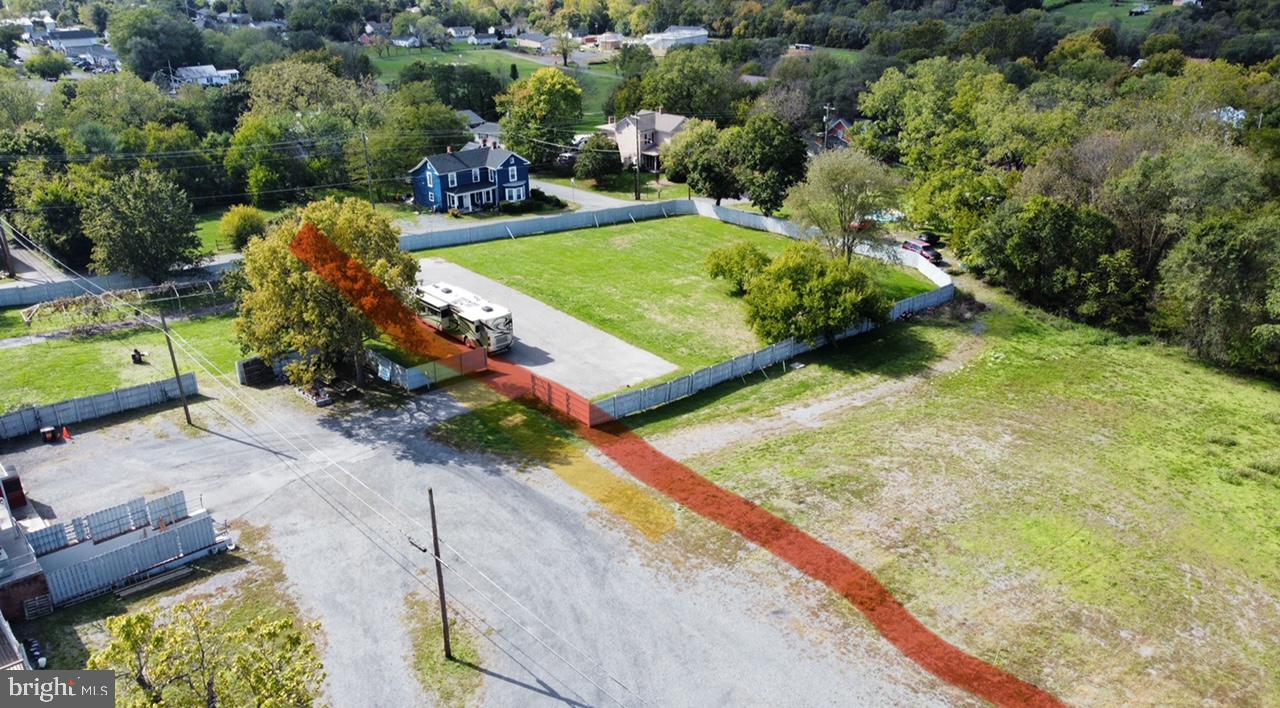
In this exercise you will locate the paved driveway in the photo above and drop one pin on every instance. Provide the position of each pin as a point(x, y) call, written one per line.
point(553, 344)
point(588, 199)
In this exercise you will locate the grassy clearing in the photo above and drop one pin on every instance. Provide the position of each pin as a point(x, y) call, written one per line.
point(47, 372)
point(642, 282)
point(451, 683)
point(1092, 512)
point(71, 635)
point(207, 228)
point(595, 83)
point(1102, 12)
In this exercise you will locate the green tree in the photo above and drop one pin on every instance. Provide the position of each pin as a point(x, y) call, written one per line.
point(413, 125)
point(514, 73)
point(739, 264)
point(180, 656)
point(19, 104)
point(692, 83)
point(805, 294)
point(634, 60)
point(678, 156)
point(292, 87)
point(598, 159)
point(52, 203)
point(255, 160)
point(149, 39)
point(96, 15)
point(241, 223)
point(711, 173)
point(536, 112)
point(141, 224)
point(27, 141)
point(1044, 252)
point(769, 158)
point(9, 37)
point(839, 198)
point(1218, 291)
point(117, 101)
point(289, 309)
point(48, 65)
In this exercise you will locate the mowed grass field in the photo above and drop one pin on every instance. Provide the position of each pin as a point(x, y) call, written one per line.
point(644, 283)
point(52, 371)
point(596, 83)
point(1094, 513)
point(1099, 12)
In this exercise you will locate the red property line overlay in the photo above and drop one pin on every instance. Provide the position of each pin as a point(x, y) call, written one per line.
point(687, 488)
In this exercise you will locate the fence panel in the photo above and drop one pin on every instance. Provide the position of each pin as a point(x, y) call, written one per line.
point(78, 410)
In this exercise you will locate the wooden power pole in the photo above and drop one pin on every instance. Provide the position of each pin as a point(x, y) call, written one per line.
point(435, 545)
point(173, 359)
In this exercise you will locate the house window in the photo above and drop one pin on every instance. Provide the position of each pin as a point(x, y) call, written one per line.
point(475, 175)
point(512, 175)
point(429, 184)
point(453, 179)
point(515, 194)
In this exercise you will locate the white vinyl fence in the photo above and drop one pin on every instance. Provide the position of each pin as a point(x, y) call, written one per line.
point(412, 378)
point(76, 410)
point(632, 402)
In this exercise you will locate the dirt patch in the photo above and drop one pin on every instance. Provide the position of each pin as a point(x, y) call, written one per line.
point(703, 439)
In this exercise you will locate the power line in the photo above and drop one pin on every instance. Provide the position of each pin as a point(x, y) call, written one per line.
point(209, 368)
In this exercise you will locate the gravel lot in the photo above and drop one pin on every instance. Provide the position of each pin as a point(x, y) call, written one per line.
point(553, 344)
point(697, 618)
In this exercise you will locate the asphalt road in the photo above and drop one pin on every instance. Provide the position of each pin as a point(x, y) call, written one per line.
point(691, 619)
point(553, 344)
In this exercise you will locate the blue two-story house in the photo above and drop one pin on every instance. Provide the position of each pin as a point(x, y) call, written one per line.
point(469, 180)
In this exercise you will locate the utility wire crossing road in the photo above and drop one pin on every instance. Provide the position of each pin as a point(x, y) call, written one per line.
point(686, 487)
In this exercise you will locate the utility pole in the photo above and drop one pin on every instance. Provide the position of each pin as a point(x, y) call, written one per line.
point(635, 123)
point(173, 359)
point(4, 250)
point(368, 168)
point(435, 545)
point(826, 124)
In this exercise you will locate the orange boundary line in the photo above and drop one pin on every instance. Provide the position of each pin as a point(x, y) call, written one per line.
point(689, 489)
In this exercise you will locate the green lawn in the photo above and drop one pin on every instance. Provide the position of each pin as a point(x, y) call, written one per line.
point(642, 282)
point(53, 371)
point(207, 228)
point(1095, 513)
point(596, 83)
point(1100, 12)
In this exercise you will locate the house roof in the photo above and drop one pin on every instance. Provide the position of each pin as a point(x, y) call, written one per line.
point(534, 37)
point(447, 162)
point(195, 72)
point(487, 128)
point(652, 120)
point(471, 117)
point(72, 34)
point(752, 79)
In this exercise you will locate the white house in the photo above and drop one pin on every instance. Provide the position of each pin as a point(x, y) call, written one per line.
point(483, 40)
point(408, 41)
point(535, 42)
point(204, 75)
point(460, 32)
point(675, 36)
point(610, 41)
point(641, 136)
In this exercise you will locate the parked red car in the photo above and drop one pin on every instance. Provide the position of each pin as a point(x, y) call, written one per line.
point(923, 248)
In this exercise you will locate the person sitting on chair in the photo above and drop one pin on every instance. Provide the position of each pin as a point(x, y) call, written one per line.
point(137, 356)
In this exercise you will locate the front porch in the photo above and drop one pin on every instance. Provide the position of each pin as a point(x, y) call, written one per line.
point(470, 200)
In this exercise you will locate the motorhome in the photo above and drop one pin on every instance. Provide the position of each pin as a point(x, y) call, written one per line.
point(467, 316)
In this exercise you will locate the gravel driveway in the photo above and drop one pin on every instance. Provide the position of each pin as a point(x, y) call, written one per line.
point(693, 619)
point(553, 344)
